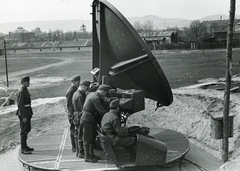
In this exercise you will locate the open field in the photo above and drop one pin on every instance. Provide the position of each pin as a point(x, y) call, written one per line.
point(57, 77)
point(180, 67)
point(188, 67)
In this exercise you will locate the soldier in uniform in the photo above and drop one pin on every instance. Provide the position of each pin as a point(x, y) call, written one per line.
point(74, 86)
point(111, 126)
point(78, 100)
point(24, 113)
point(92, 107)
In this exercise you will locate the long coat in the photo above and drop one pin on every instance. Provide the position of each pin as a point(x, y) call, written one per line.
point(93, 108)
point(69, 95)
point(117, 135)
point(78, 100)
point(24, 103)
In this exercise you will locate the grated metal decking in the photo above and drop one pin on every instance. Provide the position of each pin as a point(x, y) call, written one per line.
point(53, 151)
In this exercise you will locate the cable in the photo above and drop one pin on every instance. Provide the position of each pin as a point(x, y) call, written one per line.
point(7, 99)
point(198, 166)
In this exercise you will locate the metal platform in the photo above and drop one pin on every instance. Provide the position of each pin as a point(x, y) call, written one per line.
point(53, 151)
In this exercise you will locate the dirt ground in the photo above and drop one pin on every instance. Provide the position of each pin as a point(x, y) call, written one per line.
point(51, 74)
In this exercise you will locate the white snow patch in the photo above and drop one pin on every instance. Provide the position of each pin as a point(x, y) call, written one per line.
point(35, 82)
point(35, 103)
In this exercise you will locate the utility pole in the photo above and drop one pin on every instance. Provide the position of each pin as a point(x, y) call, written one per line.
point(5, 52)
point(228, 82)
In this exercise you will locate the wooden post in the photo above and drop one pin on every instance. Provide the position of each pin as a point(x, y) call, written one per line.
point(5, 51)
point(96, 41)
point(228, 82)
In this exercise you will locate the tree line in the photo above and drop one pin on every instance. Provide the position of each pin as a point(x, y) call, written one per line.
point(59, 35)
point(195, 32)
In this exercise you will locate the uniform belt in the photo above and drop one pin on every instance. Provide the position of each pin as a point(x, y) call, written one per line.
point(88, 113)
point(27, 105)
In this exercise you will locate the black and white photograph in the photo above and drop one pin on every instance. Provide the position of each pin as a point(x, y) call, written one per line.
point(105, 85)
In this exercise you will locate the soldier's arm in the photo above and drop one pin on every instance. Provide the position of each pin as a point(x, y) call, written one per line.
point(69, 96)
point(80, 102)
point(121, 131)
point(99, 107)
point(20, 104)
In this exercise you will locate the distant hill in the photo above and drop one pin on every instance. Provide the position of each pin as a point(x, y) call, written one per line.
point(74, 25)
point(161, 23)
point(65, 25)
point(215, 17)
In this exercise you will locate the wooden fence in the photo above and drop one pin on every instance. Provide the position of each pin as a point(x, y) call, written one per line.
point(198, 45)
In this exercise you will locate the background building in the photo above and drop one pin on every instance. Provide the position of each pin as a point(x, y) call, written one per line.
point(21, 35)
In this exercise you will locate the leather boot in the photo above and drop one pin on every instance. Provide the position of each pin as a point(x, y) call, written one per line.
point(28, 148)
point(87, 157)
point(73, 143)
point(24, 149)
point(77, 146)
point(81, 150)
point(91, 152)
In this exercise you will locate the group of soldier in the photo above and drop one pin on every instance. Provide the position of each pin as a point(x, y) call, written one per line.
point(86, 110)
point(82, 109)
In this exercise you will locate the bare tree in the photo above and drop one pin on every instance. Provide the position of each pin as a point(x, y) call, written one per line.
point(138, 27)
point(213, 26)
point(57, 35)
point(148, 28)
point(145, 29)
point(195, 31)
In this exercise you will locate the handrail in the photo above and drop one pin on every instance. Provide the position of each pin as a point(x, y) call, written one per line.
point(6, 100)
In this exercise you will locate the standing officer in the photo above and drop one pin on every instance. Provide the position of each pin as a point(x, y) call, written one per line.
point(24, 113)
point(92, 107)
point(78, 100)
point(74, 86)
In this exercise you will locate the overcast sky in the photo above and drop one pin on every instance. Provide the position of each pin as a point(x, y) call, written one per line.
point(37, 10)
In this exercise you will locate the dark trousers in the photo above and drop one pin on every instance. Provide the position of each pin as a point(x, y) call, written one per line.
point(88, 132)
point(25, 129)
point(72, 132)
point(72, 126)
point(125, 141)
point(78, 139)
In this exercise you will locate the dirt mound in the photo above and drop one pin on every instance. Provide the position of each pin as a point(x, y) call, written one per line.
point(49, 113)
point(189, 114)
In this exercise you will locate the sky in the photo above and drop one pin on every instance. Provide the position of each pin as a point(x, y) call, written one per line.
point(41, 10)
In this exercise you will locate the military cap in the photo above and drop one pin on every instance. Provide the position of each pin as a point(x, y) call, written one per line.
point(114, 104)
point(76, 78)
point(104, 87)
point(25, 79)
point(94, 86)
point(84, 82)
